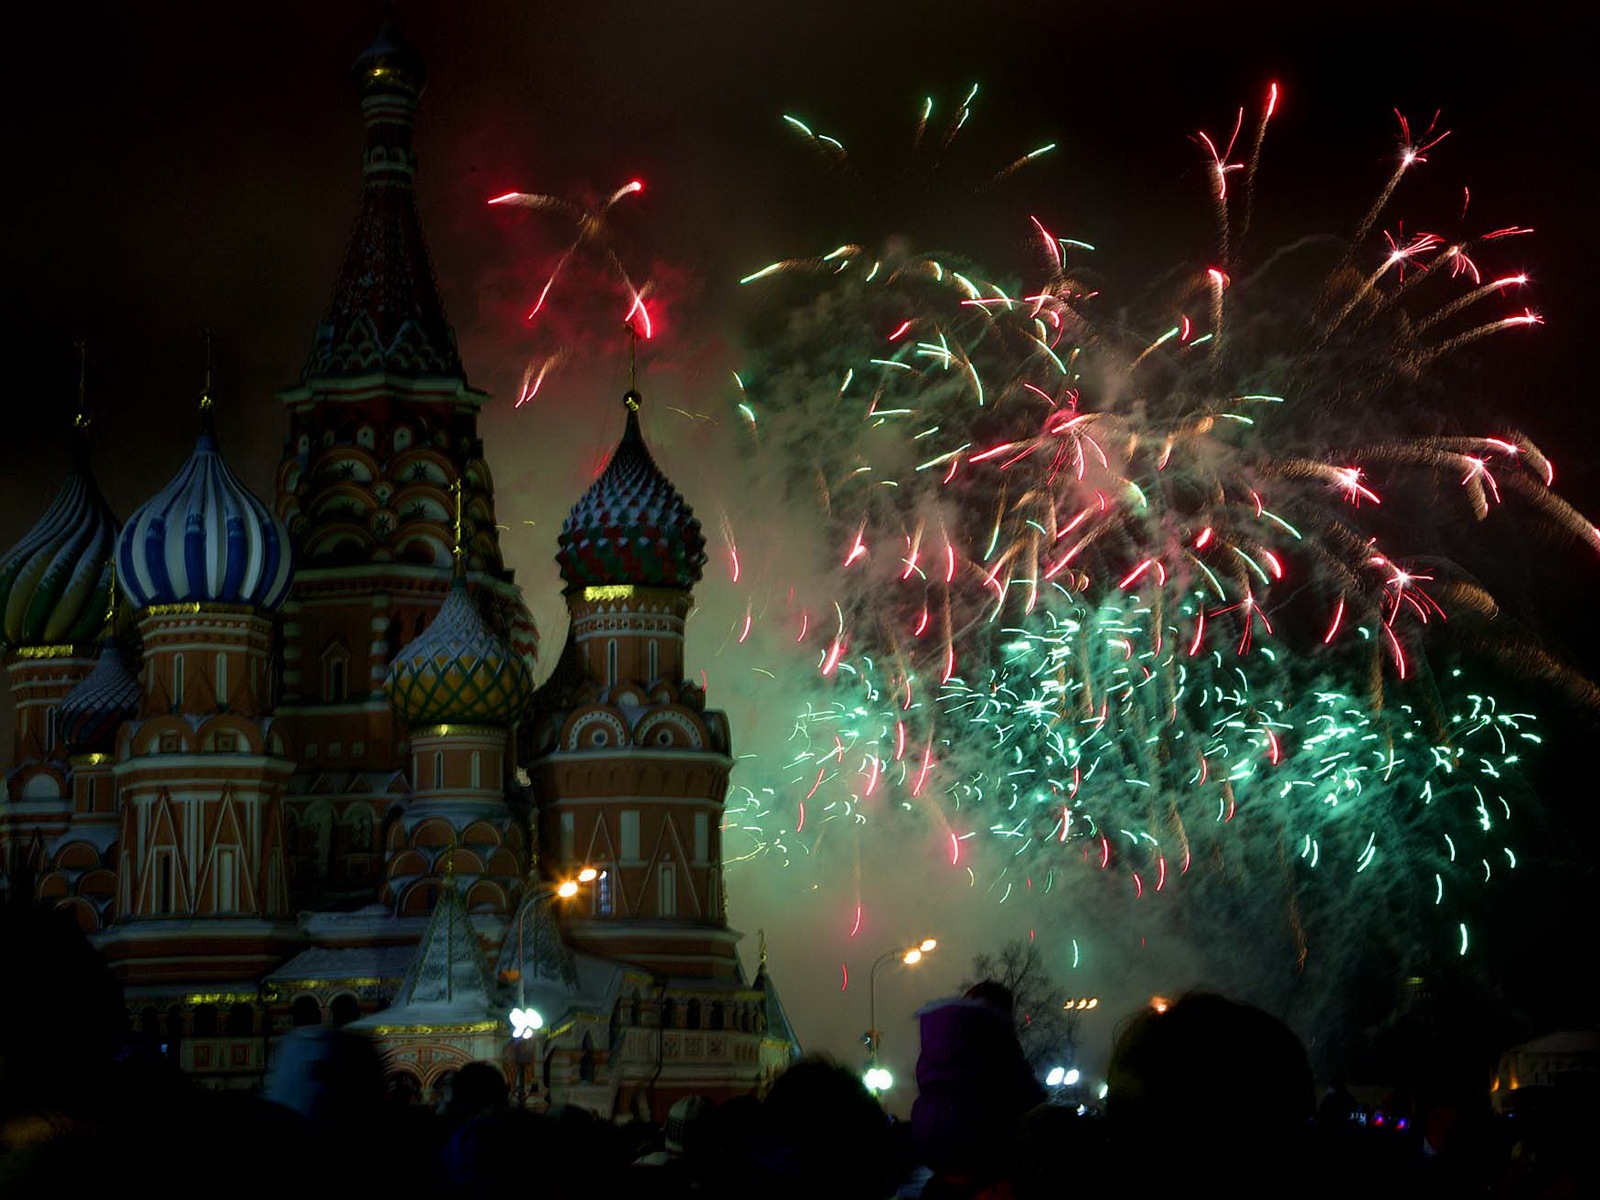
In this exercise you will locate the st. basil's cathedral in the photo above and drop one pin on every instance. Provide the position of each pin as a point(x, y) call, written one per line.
point(287, 764)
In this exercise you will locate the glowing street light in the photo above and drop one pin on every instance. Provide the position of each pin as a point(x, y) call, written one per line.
point(877, 1079)
point(526, 1021)
point(910, 956)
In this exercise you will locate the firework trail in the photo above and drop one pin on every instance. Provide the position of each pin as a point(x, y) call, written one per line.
point(1108, 601)
point(589, 231)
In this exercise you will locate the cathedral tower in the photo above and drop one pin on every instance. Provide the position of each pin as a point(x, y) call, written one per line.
point(629, 767)
point(54, 587)
point(381, 429)
point(202, 890)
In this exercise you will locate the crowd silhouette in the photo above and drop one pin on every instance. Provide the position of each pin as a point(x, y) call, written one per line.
point(1208, 1096)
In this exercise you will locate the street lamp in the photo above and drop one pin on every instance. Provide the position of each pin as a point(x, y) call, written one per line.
point(525, 1021)
point(910, 956)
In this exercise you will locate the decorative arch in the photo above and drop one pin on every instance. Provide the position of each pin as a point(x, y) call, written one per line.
point(305, 1010)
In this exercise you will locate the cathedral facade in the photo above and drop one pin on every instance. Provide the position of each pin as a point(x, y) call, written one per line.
point(294, 763)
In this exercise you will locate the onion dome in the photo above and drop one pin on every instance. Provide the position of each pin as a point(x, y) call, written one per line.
point(457, 670)
point(631, 526)
point(204, 538)
point(55, 582)
point(88, 716)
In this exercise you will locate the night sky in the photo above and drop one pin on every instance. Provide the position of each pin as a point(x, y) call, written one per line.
point(183, 166)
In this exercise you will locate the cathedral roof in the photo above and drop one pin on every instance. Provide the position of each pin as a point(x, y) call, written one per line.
point(778, 1026)
point(534, 947)
point(449, 974)
point(632, 526)
point(55, 582)
point(386, 314)
point(89, 714)
point(204, 538)
point(457, 670)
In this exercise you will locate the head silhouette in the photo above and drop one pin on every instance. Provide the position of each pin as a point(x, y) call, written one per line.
point(1209, 1072)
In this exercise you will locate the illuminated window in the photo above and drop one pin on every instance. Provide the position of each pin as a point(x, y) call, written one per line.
point(335, 674)
point(227, 899)
point(163, 866)
point(667, 875)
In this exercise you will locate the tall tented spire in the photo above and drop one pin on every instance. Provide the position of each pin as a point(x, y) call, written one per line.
point(386, 314)
point(449, 973)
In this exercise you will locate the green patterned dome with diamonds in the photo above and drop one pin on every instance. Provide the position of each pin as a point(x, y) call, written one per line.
point(457, 670)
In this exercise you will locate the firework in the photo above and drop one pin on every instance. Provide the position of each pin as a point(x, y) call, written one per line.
point(1127, 598)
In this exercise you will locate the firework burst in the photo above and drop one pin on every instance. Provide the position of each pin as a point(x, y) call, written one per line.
point(1124, 596)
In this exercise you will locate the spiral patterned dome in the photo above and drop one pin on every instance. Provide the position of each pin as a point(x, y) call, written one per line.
point(204, 538)
point(457, 670)
point(89, 714)
point(631, 526)
point(55, 582)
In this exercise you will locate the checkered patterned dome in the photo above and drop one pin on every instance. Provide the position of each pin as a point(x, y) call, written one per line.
point(457, 670)
point(632, 526)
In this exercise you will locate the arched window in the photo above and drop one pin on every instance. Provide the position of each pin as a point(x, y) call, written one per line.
point(654, 667)
point(335, 674)
point(611, 661)
point(241, 1021)
point(586, 1061)
point(205, 1020)
point(716, 1018)
point(177, 680)
point(667, 898)
point(305, 1011)
point(438, 768)
point(222, 681)
point(691, 1014)
point(477, 769)
point(669, 1013)
point(343, 1009)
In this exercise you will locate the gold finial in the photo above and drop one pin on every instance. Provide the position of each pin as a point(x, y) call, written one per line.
point(205, 392)
point(631, 398)
point(81, 417)
point(458, 553)
point(111, 597)
point(761, 948)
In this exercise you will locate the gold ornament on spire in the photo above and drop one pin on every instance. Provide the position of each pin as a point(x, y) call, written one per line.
point(631, 398)
point(80, 419)
point(458, 552)
point(205, 391)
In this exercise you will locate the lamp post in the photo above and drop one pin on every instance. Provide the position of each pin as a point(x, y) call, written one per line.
point(525, 1021)
point(877, 1079)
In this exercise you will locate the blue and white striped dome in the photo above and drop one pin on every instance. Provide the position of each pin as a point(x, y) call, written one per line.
point(204, 538)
